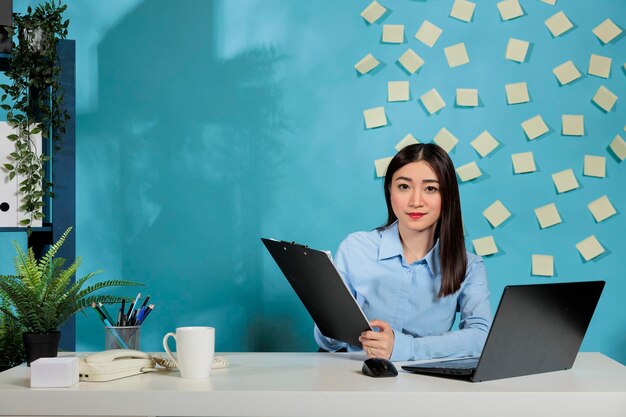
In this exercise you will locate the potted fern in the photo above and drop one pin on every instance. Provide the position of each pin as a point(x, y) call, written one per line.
point(42, 296)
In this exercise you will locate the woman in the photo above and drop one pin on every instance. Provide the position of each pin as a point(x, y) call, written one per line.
point(413, 274)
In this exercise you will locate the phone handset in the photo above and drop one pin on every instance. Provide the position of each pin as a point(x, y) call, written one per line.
point(112, 355)
point(119, 363)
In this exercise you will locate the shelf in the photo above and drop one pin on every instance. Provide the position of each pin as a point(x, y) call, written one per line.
point(63, 173)
point(23, 229)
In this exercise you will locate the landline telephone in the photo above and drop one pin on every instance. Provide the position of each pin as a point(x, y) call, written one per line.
point(120, 363)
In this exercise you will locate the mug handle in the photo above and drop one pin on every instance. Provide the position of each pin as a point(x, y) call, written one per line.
point(167, 348)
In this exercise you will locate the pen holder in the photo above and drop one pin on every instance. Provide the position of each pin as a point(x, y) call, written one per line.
point(118, 337)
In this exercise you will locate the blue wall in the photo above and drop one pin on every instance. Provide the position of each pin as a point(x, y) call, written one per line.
point(205, 125)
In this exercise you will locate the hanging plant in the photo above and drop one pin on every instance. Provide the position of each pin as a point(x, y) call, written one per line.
point(34, 102)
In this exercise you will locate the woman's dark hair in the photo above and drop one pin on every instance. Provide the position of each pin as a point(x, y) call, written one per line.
point(449, 230)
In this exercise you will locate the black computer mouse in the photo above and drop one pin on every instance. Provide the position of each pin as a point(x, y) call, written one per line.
point(379, 367)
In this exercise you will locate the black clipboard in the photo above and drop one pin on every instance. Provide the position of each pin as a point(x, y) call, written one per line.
point(321, 289)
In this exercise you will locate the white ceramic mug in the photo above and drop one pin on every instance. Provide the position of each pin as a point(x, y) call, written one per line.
point(195, 348)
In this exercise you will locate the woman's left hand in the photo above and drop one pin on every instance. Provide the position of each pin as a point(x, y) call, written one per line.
point(378, 344)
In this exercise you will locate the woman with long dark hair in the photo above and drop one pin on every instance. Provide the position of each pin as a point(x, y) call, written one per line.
point(413, 274)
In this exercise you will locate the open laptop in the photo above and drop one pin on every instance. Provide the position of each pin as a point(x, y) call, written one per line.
point(537, 328)
point(321, 289)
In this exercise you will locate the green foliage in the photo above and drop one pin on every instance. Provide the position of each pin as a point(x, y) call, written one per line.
point(42, 295)
point(34, 100)
point(11, 346)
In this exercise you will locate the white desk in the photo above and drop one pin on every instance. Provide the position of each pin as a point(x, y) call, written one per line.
point(323, 384)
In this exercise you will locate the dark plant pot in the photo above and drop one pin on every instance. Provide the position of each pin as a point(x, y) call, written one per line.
point(41, 345)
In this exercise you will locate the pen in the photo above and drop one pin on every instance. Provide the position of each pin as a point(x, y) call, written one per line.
point(122, 316)
point(141, 313)
point(106, 313)
point(145, 303)
point(147, 311)
point(132, 307)
point(107, 323)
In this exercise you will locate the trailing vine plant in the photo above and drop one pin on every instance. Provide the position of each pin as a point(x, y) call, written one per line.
point(33, 101)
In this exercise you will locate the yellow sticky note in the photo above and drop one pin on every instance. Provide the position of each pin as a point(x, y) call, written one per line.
point(406, 141)
point(516, 50)
point(373, 12)
point(601, 209)
point(496, 213)
point(543, 265)
point(517, 93)
point(469, 171)
point(381, 166)
point(590, 248)
point(428, 33)
point(485, 246)
point(411, 61)
point(393, 33)
point(456, 55)
point(600, 66)
point(595, 166)
point(618, 146)
point(573, 124)
point(566, 72)
point(368, 63)
point(463, 10)
point(534, 127)
point(605, 98)
point(484, 143)
point(547, 215)
point(607, 31)
point(466, 97)
point(375, 117)
point(558, 24)
point(432, 101)
point(523, 162)
point(510, 9)
point(445, 139)
point(398, 91)
point(565, 181)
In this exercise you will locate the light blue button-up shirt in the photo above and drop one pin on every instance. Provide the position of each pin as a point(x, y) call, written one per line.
point(405, 296)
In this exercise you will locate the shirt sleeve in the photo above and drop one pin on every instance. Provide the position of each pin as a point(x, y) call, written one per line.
point(474, 325)
point(341, 263)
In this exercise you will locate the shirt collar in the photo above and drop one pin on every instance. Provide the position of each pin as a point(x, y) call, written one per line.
point(390, 246)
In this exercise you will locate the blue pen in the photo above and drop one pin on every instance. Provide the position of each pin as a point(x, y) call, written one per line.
point(140, 315)
point(148, 310)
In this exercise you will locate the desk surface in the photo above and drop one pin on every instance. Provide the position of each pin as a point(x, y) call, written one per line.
point(323, 384)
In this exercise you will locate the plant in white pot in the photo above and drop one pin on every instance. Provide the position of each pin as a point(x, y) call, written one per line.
point(34, 102)
point(41, 296)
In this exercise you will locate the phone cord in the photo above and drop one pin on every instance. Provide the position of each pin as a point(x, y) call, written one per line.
point(218, 362)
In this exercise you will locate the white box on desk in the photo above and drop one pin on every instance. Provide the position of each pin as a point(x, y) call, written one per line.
point(53, 372)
